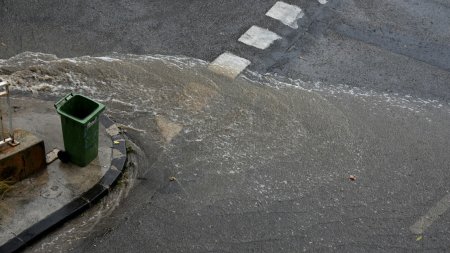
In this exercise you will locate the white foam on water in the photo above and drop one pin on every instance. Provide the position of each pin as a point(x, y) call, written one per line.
point(68, 60)
point(180, 62)
point(106, 58)
point(407, 102)
point(30, 58)
point(79, 82)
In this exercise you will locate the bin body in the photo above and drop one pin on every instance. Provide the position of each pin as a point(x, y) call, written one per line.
point(80, 126)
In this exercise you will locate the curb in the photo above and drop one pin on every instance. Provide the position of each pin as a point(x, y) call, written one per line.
point(79, 204)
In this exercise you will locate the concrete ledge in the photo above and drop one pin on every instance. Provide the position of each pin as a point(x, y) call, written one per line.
point(23, 160)
point(78, 205)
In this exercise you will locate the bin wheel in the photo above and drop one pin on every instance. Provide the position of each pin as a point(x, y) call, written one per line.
point(63, 156)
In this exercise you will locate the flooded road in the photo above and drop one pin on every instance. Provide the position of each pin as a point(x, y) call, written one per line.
point(261, 163)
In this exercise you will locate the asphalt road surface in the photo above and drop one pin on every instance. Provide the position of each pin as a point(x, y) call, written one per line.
point(259, 165)
point(253, 165)
point(388, 45)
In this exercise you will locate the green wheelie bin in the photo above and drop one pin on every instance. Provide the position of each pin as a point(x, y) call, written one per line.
point(80, 126)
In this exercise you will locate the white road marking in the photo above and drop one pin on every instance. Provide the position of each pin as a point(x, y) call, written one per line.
point(259, 37)
point(323, 1)
point(229, 65)
point(286, 13)
point(431, 216)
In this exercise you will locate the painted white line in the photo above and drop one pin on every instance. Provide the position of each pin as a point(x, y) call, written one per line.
point(286, 13)
point(259, 37)
point(431, 216)
point(322, 1)
point(229, 65)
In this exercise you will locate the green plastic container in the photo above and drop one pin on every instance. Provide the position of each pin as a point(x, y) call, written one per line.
point(79, 121)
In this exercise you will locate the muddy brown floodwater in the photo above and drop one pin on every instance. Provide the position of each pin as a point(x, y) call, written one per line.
point(261, 159)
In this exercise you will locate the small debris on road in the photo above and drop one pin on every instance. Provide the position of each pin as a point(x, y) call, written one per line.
point(52, 156)
point(172, 179)
point(352, 178)
point(420, 237)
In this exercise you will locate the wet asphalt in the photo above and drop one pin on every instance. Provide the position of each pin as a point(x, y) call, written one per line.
point(388, 46)
point(253, 165)
point(267, 171)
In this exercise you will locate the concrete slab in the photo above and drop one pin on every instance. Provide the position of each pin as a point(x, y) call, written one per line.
point(259, 37)
point(20, 161)
point(286, 13)
point(36, 197)
point(229, 65)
